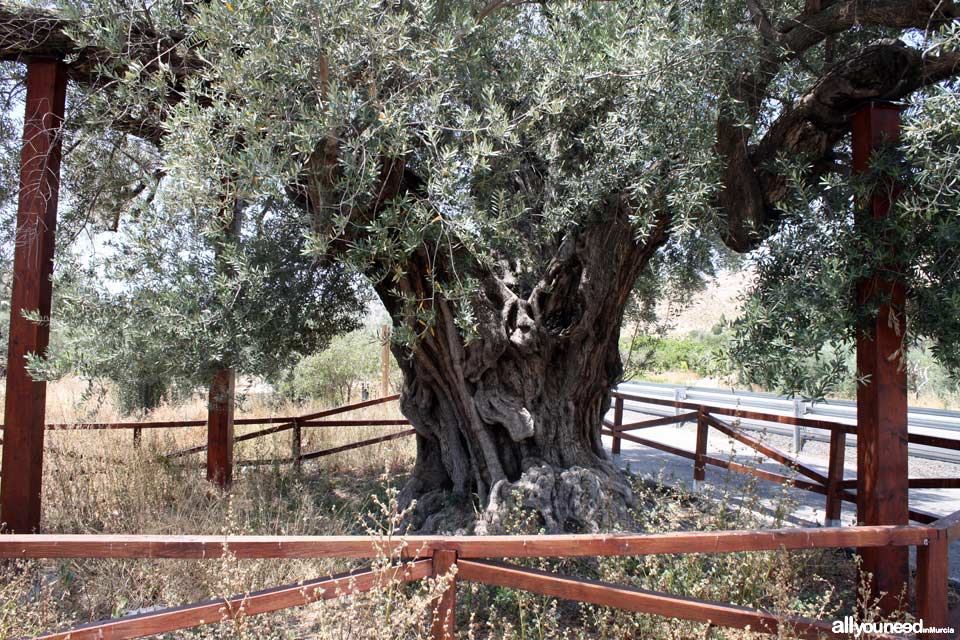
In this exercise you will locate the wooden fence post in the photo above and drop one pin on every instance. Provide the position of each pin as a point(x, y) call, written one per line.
point(699, 465)
point(32, 290)
point(931, 587)
point(220, 428)
point(617, 423)
point(838, 448)
point(296, 444)
point(444, 613)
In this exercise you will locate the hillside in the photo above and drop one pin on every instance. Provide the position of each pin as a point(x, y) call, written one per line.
point(721, 299)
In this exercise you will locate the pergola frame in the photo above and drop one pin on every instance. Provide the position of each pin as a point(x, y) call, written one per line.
point(21, 475)
point(882, 426)
point(25, 405)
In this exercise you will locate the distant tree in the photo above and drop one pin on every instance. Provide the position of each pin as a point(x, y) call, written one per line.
point(504, 174)
point(152, 311)
point(337, 374)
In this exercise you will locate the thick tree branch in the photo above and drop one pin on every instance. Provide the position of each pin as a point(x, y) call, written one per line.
point(830, 18)
point(812, 126)
point(747, 198)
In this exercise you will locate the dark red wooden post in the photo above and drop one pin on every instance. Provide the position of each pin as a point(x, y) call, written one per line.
point(838, 449)
point(617, 423)
point(882, 400)
point(931, 589)
point(444, 612)
point(220, 428)
point(32, 289)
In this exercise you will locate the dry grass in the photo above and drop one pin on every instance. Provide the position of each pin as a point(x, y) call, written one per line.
point(96, 482)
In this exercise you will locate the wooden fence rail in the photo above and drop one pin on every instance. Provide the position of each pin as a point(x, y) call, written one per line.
point(833, 486)
point(258, 602)
point(279, 424)
point(437, 556)
point(206, 547)
point(173, 424)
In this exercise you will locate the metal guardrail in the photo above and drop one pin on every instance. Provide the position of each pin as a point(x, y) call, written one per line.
point(935, 422)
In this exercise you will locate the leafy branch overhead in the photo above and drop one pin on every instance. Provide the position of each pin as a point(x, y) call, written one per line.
point(508, 174)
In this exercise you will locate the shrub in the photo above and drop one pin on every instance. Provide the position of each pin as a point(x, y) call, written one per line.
point(697, 352)
point(337, 374)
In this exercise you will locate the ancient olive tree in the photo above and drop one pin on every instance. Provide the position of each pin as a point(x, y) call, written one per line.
point(503, 174)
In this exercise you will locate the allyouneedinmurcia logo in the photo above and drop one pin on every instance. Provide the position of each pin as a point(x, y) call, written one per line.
point(851, 627)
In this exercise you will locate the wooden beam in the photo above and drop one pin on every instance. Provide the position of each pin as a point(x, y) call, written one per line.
point(931, 586)
point(634, 599)
point(935, 441)
point(765, 475)
point(703, 432)
point(660, 422)
point(356, 445)
point(100, 426)
point(247, 436)
point(22, 465)
point(518, 546)
point(617, 425)
point(838, 450)
point(934, 483)
point(882, 399)
point(653, 444)
point(347, 407)
point(222, 609)
point(445, 610)
point(220, 428)
point(921, 516)
point(768, 450)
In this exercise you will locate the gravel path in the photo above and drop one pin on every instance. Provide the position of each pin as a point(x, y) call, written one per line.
point(804, 507)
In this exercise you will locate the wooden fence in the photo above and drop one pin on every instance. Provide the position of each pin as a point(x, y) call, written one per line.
point(831, 485)
point(478, 559)
point(294, 424)
point(312, 420)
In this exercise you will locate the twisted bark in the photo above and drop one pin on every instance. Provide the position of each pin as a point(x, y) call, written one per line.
point(513, 416)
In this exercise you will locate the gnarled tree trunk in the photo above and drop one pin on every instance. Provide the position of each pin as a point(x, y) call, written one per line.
point(513, 416)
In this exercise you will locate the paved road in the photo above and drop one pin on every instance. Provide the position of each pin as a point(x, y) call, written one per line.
point(807, 507)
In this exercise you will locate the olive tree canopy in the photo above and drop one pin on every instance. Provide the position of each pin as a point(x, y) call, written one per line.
point(505, 174)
